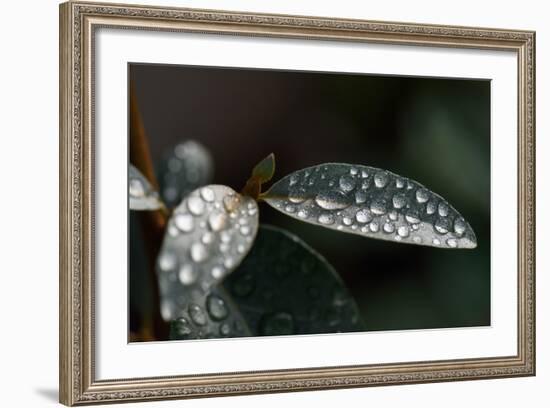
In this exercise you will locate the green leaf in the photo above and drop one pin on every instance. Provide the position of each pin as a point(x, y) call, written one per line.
point(207, 237)
point(284, 287)
point(265, 169)
point(140, 192)
point(371, 202)
point(184, 169)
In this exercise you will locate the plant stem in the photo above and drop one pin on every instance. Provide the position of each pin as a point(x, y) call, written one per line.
point(153, 223)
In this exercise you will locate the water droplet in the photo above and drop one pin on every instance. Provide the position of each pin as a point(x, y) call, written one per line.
point(417, 240)
point(217, 221)
point(381, 179)
point(231, 202)
point(399, 183)
point(293, 179)
point(403, 231)
point(280, 323)
point(297, 195)
point(436, 241)
point(442, 225)
point(353, 171)
point(374, 227)
point(207, 238)
point(388, 228)
point(166, 310)
point(172, 230)
point(184, 222)
point(399, 201)
point(460, 226)
point(225, 329)
point(347, 183)
point(347, 221)
point(181, 328)
point(244, 230)
point(136, 188)
point(422, 195)
point(207, 194)
point(224, 247)
point(354, 227)
point(393, 216)
point(443, 209)
point(360, 196)
point(453, 243)
point(225, 236)
point(379, 206)
point(412, 217)
point(187, 274)
point(167, 262)
point(302, 213)
point(229, 262)
point(364, 174)
point(363, 216)
point(326, 219)
point(290, 208)
point(431, 207)
point(216, 307)
point(198, 251)
point(332, 200)
point(197, 314)
point(195, 205)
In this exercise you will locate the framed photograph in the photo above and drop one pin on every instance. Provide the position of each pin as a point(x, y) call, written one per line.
point(258, 203)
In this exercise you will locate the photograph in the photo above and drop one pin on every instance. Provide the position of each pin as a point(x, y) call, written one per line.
point(260, 202)
point(270, 202)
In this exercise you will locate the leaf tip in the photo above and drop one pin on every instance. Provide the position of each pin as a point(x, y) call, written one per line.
point(265, 169)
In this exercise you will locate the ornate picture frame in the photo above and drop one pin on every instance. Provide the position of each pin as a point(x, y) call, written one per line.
point(79, 22)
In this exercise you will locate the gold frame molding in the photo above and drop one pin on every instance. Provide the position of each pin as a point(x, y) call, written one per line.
point(78, 22)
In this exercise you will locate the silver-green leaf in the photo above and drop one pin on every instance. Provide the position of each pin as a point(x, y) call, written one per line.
point(141, 194)
point(370, 202)
point(207, 237)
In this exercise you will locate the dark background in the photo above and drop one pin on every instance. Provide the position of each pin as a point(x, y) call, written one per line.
point(435, 131)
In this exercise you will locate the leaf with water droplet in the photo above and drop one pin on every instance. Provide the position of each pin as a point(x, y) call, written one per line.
point(141, 194)
point(183, 169)
point(207, 237)
point(371, 202)
point(285, 287)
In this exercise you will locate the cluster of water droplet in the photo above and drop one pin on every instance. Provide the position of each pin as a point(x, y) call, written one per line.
point(207, 236)
point(184, 169)
point(284, 287)
point(373, 202)
point(209, 318)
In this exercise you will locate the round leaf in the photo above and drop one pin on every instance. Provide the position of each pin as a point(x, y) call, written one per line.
point(284, 287)
point(207, 237)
